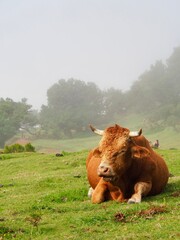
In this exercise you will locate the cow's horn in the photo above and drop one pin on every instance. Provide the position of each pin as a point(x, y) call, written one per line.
point(135, 133)
point(97, 131)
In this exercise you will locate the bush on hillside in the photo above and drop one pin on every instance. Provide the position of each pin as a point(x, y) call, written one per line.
point(29, 148)
point(15, 148)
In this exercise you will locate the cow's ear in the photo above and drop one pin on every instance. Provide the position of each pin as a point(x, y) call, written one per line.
point(139, 152)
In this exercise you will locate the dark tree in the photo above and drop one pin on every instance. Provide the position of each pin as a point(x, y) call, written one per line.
point(12, 116)
point(72, 105)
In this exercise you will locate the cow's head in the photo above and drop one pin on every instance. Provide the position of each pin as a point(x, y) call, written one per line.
point(117, 150)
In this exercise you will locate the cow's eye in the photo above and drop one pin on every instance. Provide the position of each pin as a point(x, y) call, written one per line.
point(122, 151)
point(115, 154)
point(119, 153)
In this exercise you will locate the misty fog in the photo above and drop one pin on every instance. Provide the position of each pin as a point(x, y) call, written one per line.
point(110, 43)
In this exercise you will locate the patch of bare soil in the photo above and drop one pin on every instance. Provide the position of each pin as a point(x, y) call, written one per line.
point(176, 194)
point(149, 213)
point(48, 150)
point(119, 217)
point(22, 141)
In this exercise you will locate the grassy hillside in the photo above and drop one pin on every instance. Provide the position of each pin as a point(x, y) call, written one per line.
point(44, 197)
point(68, 145)
point(168, 139)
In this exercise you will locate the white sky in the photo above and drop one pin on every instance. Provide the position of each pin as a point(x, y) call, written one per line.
point(109, 42)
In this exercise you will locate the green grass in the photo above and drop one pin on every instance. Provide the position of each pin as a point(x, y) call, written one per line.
point(44, 197)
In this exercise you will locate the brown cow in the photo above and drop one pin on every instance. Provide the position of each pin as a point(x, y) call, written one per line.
point(124, 167)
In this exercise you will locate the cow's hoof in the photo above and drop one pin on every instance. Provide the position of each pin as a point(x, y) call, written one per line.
point(133, 200)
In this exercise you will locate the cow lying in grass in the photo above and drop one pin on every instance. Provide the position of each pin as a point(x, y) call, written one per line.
point(124, 167)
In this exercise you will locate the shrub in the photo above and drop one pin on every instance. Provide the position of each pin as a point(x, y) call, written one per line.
point(14, 148)
point(19, 148)
point(29, 148)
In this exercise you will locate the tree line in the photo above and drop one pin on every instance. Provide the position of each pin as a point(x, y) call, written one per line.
point(73, 104)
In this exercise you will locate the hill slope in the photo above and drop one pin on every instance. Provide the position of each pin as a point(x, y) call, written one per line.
point(168, 139)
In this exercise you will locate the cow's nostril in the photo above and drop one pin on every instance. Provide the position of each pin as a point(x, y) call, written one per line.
point(104, 169)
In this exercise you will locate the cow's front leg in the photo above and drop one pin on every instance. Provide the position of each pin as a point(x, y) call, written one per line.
point(140, 189)
point(115, 193)
point(98, 195)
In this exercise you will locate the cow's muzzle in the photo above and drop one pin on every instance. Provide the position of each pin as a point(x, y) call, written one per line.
point(105, 171)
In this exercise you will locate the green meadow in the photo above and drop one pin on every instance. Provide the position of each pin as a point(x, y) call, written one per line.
point(44, 197)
